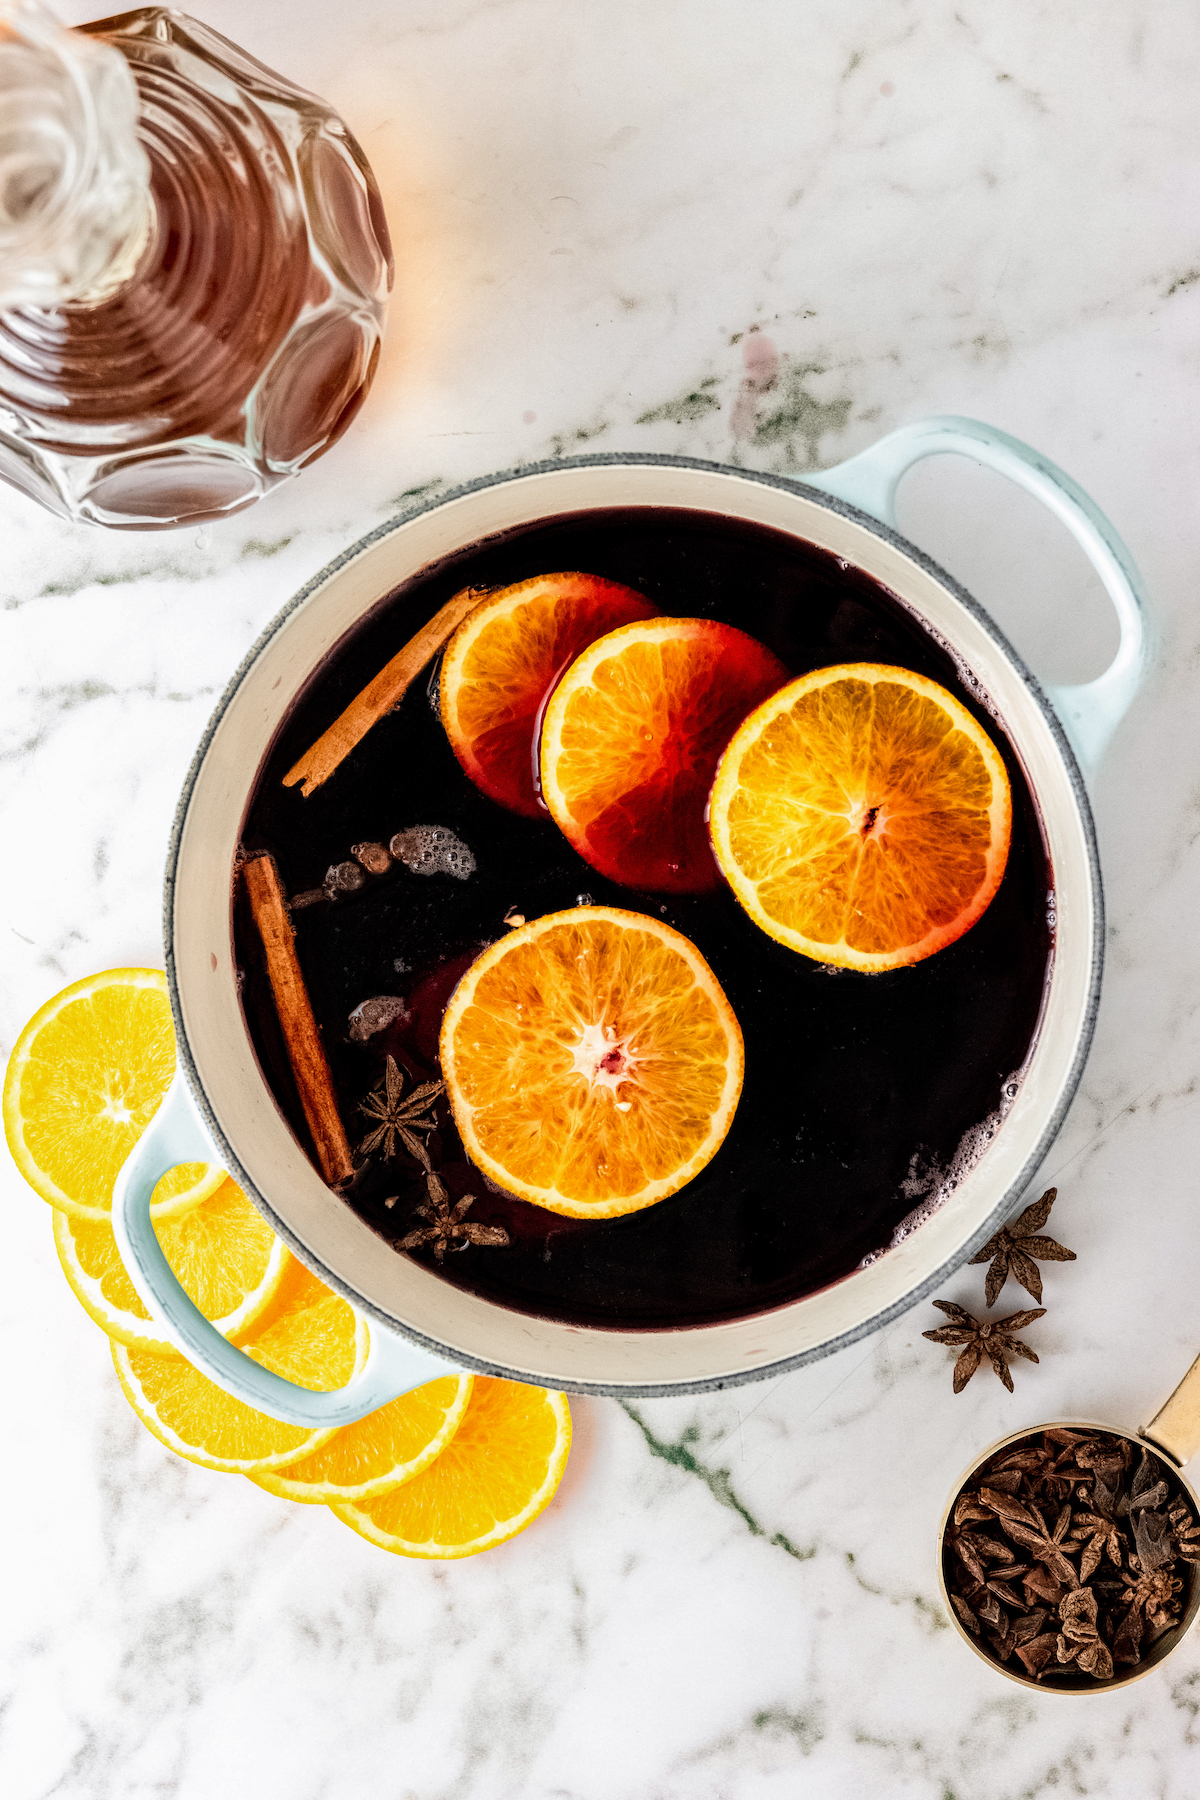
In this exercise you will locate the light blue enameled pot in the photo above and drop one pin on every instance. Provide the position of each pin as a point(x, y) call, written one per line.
point(220, 1108)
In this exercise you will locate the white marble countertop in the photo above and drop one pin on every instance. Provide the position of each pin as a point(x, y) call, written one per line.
point(597, 208)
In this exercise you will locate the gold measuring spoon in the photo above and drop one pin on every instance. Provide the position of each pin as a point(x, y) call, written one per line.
point(1173, 1435)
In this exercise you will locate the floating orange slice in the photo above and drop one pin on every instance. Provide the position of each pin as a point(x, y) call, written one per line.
point(502, 662)
point(630, 745)
point(862, 816)
point(592, 1061)
point(497, 1473)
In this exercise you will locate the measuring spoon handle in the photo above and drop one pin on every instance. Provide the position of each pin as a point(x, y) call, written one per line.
point(1175, 1427)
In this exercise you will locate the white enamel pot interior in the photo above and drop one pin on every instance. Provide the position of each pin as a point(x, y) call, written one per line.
point(219, 1063)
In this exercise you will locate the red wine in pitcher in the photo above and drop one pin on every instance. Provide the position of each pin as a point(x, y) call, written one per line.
point(866, 1096)
point(192, 295)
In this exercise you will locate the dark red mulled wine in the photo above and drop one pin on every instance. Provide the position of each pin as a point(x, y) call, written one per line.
point(865, 1095)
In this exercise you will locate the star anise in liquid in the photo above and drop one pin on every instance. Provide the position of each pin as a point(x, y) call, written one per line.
point(399, 1118)
point(448, 1227)
point(993, 1340)
point(1014, 1247)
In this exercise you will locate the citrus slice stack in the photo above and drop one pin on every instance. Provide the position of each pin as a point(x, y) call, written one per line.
point(374, 1455)
point(592, 1062)
point(85, 1078)
point(502, 662)
point(223, 1251)
point(862, 816)
point(499, 1471)
point(308, 1334)
point(630, 744)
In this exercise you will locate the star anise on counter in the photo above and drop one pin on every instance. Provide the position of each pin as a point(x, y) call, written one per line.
point(398, 1120)
point(993, 1340)
point(1014, 1247)
point(448, 1227)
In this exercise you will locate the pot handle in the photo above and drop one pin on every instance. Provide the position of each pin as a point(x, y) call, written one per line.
point(176, 1134)
point(1091, 712)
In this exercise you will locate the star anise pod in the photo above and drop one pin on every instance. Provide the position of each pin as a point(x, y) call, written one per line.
point(1107, 1461)
point(1048, 1471)
point(1099, 1537)
point(1150, 1600)
point(1187, 1533)
point(1021, 1632)
point(1148, 1488)
point(1060, 1472)
point(398, 1120)
point(1037, 1652)
point(974, 1550)
point(449, 1228)
point(1152, 1532)
point(994, 1340)
point(1079, 1640)
point(1027, 1527)
point(1014, 1247)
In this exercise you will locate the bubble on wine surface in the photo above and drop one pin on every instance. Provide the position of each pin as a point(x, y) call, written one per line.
point(931, 1184)
point(433, 850)
point(375, 1015)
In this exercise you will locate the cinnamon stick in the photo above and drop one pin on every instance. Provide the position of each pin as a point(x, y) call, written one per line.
point(380, 695)
point(306, 1052)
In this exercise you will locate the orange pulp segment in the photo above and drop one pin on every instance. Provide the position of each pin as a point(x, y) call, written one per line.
point(498, 1472)
point(631, 740)
point(502, 662)
point(862, 816)
point(592, 1062)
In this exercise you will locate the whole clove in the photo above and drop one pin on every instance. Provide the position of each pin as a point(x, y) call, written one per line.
point(375, 858)
point(344, 878)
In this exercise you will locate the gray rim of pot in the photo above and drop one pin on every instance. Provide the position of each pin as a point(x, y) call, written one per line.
point(865, 1327)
